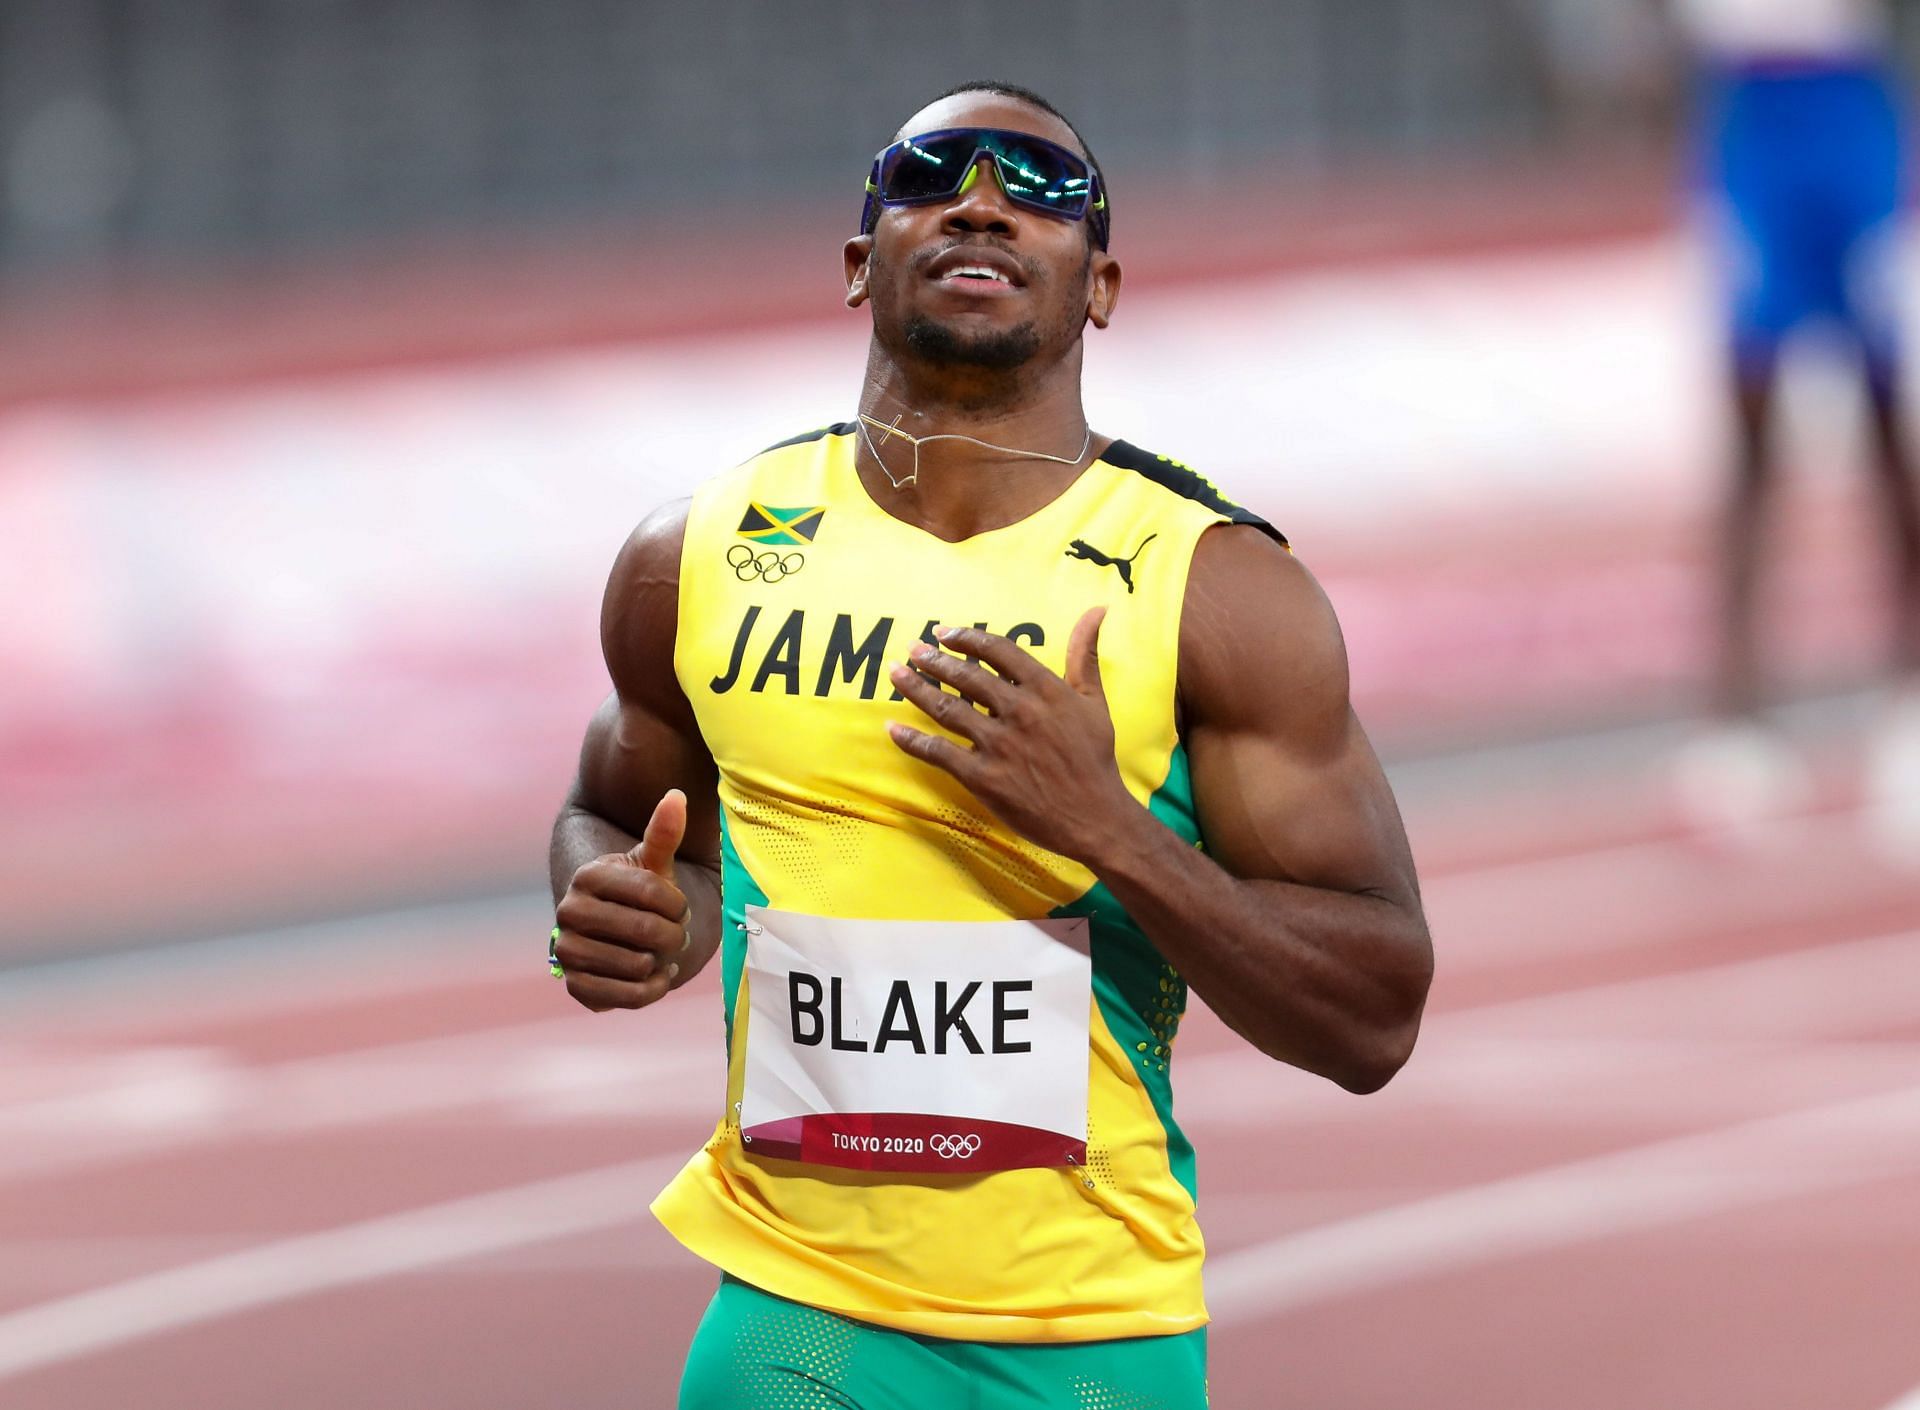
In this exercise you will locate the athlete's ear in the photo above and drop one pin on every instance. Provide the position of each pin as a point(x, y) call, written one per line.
point(1103, 288)
point(856, 255)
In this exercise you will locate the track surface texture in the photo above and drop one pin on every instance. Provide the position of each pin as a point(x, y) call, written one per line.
point(1659, 1146)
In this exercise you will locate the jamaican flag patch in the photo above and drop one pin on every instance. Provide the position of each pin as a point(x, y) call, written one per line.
point(763, 523)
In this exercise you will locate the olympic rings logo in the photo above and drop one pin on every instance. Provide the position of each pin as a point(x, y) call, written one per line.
point(768, 566)
point(954, 1147)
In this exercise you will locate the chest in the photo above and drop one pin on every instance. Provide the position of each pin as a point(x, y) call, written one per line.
point(785, 650)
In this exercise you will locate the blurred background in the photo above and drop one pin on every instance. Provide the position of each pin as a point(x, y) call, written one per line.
point(343, 341)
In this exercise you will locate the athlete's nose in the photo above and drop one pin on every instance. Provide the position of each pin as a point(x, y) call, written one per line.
point(981, 205)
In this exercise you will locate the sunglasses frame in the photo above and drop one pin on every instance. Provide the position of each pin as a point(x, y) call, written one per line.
point(1096, 207)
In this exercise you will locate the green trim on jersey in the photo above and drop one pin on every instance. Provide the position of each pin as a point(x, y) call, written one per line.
point(1142, 997)
point(738, 890)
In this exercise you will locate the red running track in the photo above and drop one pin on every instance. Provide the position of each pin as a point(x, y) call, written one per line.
point(1659, 1147)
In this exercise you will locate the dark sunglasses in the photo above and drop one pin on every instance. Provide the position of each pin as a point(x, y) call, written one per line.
point(1035, 173)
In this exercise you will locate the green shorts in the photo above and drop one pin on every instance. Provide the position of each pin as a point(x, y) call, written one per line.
point(755, 1351)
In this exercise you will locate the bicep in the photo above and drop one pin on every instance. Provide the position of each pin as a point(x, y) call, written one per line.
point(644, 739)
point(1322, 816)
point(1286, 783)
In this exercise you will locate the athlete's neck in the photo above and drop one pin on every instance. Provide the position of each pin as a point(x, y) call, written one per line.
point(959, 487)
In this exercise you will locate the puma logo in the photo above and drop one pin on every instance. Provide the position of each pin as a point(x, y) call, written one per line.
point(1080, 548)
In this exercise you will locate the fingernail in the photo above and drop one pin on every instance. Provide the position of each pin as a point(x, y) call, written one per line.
point(672, 970)
point(920, 651)
point(899, 673)
point(942, 633)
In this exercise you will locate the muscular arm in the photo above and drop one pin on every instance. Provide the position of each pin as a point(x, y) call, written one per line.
point(1301, 924)
point(1302, 928)
point(641, 742)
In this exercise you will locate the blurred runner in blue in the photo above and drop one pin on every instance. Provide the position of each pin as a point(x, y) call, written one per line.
point(1801, 150)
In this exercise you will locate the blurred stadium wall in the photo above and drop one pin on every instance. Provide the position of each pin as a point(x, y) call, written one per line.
point(342, 340)
point(200, 189)
point(168, 128)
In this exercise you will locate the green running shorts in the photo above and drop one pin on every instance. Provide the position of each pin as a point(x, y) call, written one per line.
point(755, 1351)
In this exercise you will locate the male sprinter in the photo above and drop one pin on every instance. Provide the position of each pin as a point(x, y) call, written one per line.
point(969, 739)
point(1802, 164)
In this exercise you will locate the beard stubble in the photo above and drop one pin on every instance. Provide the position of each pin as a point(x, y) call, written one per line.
point(1001, 351)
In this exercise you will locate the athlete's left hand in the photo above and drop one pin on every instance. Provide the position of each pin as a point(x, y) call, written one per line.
point(1041, 755)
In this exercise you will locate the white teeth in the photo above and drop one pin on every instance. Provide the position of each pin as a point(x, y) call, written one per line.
point(978, 270)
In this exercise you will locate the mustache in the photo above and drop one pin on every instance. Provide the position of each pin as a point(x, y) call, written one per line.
point(1029, 268)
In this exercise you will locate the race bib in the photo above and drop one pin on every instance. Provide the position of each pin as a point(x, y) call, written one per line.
point(916, 1046)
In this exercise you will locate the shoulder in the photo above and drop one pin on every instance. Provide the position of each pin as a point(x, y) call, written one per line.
point(652, 551)
point(787, 474)
point(819, 433)
point(1248, 602)
point(1180, 484)
point(1260, 646)
point(639, 612)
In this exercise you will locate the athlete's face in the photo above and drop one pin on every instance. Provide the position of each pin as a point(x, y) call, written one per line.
point(1054, 283)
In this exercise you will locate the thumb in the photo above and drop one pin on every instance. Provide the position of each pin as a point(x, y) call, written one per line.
point(1083, 653)
point(665, 828)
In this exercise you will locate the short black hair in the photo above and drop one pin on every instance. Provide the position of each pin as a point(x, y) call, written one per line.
point(1034, 100)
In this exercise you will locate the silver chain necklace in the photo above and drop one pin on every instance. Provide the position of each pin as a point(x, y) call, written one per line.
point(891, 429)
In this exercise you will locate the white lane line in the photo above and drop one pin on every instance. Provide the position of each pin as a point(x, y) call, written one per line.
point(1552, 1084)
point(1622, 895)
point(427, 1237)
point(1865, 983)
point(288, 967)
point(95, 1260)
point(1796, 996)
point(552, 1069)
point(1663, 1183)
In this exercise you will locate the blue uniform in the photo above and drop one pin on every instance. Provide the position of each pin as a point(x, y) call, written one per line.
point(1805, 159)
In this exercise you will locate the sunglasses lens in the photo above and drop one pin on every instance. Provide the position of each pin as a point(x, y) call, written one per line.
point(1043, 176)
point(925, 169)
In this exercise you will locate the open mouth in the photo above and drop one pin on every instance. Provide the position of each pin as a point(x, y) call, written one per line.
point(977, 273)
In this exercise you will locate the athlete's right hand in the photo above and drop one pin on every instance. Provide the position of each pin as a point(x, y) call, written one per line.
point(623, 921)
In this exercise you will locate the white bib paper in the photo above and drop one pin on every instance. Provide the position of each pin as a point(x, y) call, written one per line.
point(916, 1046)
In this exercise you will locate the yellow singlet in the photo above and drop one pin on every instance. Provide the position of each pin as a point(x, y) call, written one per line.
point(797, 594)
